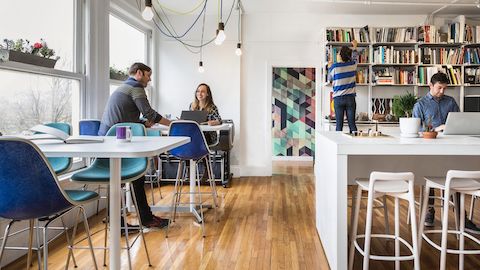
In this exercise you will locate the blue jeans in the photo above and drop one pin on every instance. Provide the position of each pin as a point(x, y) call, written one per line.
point(344, 104)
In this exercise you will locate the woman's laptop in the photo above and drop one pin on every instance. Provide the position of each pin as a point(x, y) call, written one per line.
point(197, 116)
point(462, 123)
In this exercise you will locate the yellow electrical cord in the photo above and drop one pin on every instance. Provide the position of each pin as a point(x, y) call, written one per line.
point(200, 3)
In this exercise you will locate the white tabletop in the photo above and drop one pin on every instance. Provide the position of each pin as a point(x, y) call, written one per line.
point(164, 128)
point(110, 148)
point(397, 145)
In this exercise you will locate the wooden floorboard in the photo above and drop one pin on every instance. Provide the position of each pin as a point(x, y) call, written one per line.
point(265, 223)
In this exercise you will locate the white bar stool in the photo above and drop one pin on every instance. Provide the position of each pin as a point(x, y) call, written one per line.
point(399, 186)
point(464, 182)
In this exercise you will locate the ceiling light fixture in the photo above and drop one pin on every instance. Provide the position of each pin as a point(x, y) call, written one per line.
point(147, 13)
point(220, 34)
point(238, 51)
point(200, 67)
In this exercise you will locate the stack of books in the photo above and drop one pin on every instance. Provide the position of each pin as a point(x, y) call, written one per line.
point(389, 55)
point(348, 34)
point(441, 56)
point(386, 34)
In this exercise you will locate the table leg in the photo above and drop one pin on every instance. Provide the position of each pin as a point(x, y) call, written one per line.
point(115, 193)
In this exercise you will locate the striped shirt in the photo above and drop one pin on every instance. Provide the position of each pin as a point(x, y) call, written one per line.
point(342, 76)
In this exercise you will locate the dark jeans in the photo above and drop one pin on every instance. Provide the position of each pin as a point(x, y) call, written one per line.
point(344, 104)
point(144, 210)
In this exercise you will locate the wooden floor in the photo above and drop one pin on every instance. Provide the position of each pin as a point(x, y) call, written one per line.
point(265, 223)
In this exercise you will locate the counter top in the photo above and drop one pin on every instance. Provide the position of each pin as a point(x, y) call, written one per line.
point(394, 144)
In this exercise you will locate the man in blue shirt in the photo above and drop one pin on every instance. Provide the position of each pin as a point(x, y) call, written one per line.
point(435, 107)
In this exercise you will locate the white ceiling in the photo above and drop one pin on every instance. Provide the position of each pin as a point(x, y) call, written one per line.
point(334, 6)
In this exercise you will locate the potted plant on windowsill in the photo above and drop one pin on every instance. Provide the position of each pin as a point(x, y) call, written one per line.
point(428, 130)
point(119, 75)
point(38, 54)
point(402, 107)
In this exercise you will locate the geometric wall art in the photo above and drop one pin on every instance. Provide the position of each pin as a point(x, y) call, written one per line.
point(293, 111)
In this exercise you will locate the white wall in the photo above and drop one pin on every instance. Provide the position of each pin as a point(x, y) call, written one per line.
point(242, 88)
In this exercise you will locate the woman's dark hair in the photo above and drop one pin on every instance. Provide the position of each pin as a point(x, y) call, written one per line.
point(208, 103)
point(439, 78)
point(346, 54)
point(138, 66)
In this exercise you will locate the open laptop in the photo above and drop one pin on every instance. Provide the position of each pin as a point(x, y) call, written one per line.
point(197, 116)
point(462, 123)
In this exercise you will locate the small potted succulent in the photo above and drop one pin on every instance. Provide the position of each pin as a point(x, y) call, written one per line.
point(428, 130)
point(402, 107)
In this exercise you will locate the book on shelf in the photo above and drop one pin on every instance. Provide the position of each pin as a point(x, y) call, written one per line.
point(348, 34)
point(362, 75)
point(391, 55)
point(472, 56)
point(53, 133)
point(441, 56)
point(394, 34)
point(332, 51)
point(394, 75)
point(453, 74)
point(427, 33)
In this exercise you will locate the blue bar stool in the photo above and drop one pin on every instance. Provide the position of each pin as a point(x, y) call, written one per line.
point(132, 169)
point(196, 150)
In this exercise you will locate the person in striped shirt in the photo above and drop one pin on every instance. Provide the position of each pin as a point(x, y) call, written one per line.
point(342, 76)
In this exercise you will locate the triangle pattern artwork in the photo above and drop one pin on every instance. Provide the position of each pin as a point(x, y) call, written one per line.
point(293, 111)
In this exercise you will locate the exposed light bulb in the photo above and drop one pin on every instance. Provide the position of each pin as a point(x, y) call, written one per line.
point(200, 67)
point(238, 51)
point(220, 34)
point(147, 13)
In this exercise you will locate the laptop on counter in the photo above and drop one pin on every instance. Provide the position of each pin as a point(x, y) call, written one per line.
point(462, 123)
point(197, 116)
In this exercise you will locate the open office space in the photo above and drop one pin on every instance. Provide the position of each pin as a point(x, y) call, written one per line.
point(240, 134)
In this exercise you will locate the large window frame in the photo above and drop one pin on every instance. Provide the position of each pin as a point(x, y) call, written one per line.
point(78, 72)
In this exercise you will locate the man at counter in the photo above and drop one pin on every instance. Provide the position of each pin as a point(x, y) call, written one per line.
point(435, 107)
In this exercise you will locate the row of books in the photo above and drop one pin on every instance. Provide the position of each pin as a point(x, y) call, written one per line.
point(393, 75)
point(387, 34)
point(348, 34)
point(472, 75)
point(389, 55)
point(362, 75)
point(453, 74)
point(331, 55)
point(472, 56)
point(472, 33)
point(451, 56)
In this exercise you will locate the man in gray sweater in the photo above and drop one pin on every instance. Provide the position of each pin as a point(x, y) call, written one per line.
point(125, 105)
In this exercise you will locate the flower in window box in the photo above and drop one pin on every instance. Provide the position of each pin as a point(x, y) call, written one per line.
point(23, 51)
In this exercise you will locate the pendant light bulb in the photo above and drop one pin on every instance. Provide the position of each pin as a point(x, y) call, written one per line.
point(200, 67)
point(220, 34)
point(238, 51)
point(147, 13)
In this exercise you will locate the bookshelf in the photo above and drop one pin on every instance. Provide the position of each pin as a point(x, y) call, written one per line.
point(396, 60)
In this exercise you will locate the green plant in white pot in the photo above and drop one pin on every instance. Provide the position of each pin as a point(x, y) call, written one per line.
point(402, 108)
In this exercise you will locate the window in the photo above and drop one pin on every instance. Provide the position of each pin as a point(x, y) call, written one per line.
point(31, 95)
point(31, 99)
point(128, 44)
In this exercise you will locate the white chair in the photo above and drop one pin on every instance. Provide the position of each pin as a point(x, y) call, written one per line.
point(464, 182)
point(399, 186)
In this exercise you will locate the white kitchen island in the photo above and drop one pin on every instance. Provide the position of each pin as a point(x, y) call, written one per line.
point(339, 159)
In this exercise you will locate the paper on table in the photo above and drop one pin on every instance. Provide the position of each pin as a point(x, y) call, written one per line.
point(58, 134)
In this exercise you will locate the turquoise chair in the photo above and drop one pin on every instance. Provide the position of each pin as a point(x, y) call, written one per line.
point(132, 169)
point(60, 164)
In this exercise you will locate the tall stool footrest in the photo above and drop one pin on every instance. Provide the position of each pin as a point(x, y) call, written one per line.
point(386, 258)
point(452, 251)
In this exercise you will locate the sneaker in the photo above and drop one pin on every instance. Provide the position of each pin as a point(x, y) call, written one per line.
point(430, 217)
point(471, 227)
point(156, 223)
point(131, 229)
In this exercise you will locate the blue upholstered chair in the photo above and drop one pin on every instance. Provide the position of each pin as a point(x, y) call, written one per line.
point(30, 191)
point(132, 169)
point(197, 150)
point(89, 127)
point(60, 164)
